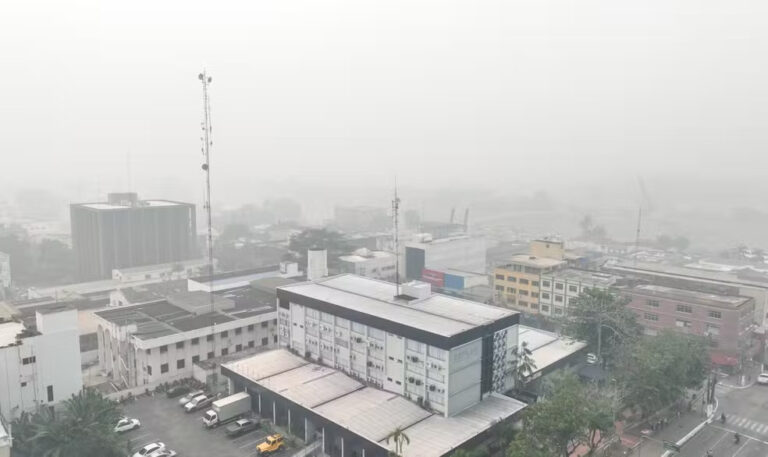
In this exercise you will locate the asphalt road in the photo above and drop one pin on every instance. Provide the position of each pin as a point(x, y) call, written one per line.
point(164, 420)
point(746, 411)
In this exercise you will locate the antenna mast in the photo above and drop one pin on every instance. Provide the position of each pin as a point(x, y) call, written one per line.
point(396, 237)
point(206, 149)
point(637, 233)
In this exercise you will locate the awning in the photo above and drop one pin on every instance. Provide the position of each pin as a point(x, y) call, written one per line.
point(723, 359)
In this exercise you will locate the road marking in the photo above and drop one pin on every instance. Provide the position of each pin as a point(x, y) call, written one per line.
point(739, 450)
point(250, 443)
point(762, 429)
point(733, 431)
point(755, 426)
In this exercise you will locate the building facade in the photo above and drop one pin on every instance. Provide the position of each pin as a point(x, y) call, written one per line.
point(559, 287)
point(518, 283)
point(40, 363)
point(127, 232)
point(371, 264)
point(461, 252)
point(725, 320)
point(436, 350)
point(5, 273)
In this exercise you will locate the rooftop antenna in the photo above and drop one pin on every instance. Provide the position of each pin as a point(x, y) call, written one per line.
point(206, 150)
point(396, 238)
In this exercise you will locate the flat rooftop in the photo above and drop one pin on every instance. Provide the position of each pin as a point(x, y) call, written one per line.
point(726, 277)
point(595, 277)
point(690, 296)
point(547, 348)
point(533, 261)
point(239, 277)
point(373, 255)
point(368, 412)
point(153, 292)
point(439, 314)
point(162, 318)
point(8, 332)
point(141, 204)
point(162, 266)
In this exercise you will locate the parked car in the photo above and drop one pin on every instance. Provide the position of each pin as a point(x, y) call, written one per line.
point(148, 449)
point(273, 443)
point(241, 427)
point(175, 391)
point(126, 424)
point(163, 453)
point(591, 358)
point(186, 398)
point(762, 378)
point(199, 402)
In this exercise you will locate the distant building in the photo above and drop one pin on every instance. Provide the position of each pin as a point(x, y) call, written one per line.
point(127, 232)
point(40, 363)
point(371, 264)
point(5, 274)
point(461, 252)
point(518, 283)
point(558, 288)
point(163, 272)
point(361, 218)
point(725, 320)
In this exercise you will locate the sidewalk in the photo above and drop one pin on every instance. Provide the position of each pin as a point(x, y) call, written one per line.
point(651, 442)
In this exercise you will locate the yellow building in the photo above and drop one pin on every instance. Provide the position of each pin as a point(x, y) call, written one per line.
point(516, 284)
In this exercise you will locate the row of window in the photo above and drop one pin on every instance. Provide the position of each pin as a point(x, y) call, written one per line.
point(196, 341)
point(688, 309)
point(181, 363)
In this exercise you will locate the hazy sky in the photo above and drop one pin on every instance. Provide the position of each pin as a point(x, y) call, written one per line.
point(505, 94)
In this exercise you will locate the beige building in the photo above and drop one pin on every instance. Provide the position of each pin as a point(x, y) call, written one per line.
point(517, 284)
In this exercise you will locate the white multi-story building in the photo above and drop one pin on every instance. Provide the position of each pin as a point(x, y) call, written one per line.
point(5, 272)
point(443, 352)
point(466, 253)
point(161, 341)
point(371, 264)
point(558, 288)
point(40, 363)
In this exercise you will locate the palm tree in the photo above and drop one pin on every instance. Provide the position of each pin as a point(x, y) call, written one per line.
point(400, 438)
point(523, 366)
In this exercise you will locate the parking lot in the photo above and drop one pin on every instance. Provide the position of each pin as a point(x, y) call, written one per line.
point(162, 419)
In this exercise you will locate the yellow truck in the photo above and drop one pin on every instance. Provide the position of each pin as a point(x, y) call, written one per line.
point(273, 443)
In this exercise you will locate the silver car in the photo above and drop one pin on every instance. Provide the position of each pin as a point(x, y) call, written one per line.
point(186, 398)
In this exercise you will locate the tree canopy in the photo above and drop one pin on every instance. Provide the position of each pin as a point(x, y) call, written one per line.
point(334, 242)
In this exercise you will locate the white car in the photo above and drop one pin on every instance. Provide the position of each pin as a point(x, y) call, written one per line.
point(186, 398)
point(127, 424)
point(591, 358)
point(163, 453)
point(762, 378)
point(149, 449)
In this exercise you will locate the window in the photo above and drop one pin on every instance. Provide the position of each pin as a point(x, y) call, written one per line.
point(545, 296)
point(250, 328)
point(265, 341)
point(535, 294)
point(50, 393)
point(195, 341)
point(535, 283)
point(532, 270)
point(238, 347)
point(500, 277)
point(559, 286)
point(522, 292)
point(573, 288)
point(28, 360)
point(511, 290)
point(274, 338)
point(149, 351)
point(195, 358)
point(149, 370)
point(522, 304)
point(163, 349)
point(251, 344)
point(437, 353)
point(517, 267)
point(511, 279)
point(651, 317)
point(180, 345)
point(209, 338)
point(713, 329)
point(238, 331)
point(210, 355)
point(713, 343)
point(224, 334)
point(684, 309)
point(224, 351)
point(500, 288)
point(715, 314)
point(523, 281)
point(546, 284)
point(653, 303)
point(534, 306)
point(545, 308)
point(558, 311)
point(559, 298)
point(682, 324)
point(265, 324)
point(180, 364)
point(24, 384)
point(164, 368)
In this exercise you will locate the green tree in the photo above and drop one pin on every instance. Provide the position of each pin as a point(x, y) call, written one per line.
point(232, 232)
point(568, 416)
point(523, 366)
point(83, 428)
point(400, 439)
point(602, 319)
point(658, 370)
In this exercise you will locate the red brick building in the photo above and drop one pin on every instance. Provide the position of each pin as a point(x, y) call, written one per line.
point(726, 320)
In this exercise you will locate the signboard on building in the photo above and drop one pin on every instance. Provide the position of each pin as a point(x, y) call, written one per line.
point(436, 278)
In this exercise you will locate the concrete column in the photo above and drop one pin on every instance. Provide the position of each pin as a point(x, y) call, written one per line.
point(363, 452)
point(323, 439)
point(259, 395)
point(274, 411)
point(342, 446)
point(306, 430)
point(289, 421)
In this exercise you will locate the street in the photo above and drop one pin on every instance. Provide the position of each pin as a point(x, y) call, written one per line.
point(746, 411)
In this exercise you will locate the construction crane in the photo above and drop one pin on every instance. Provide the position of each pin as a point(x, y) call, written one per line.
point(206, 150)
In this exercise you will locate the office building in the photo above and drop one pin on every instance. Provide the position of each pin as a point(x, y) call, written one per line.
point(559, 287)
point(371, 264)
point(5, 274)
point(437, 350)
point(517, 284)
point(726, 321)
point(127, 232)
point(461, 252)
point(39, 361)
